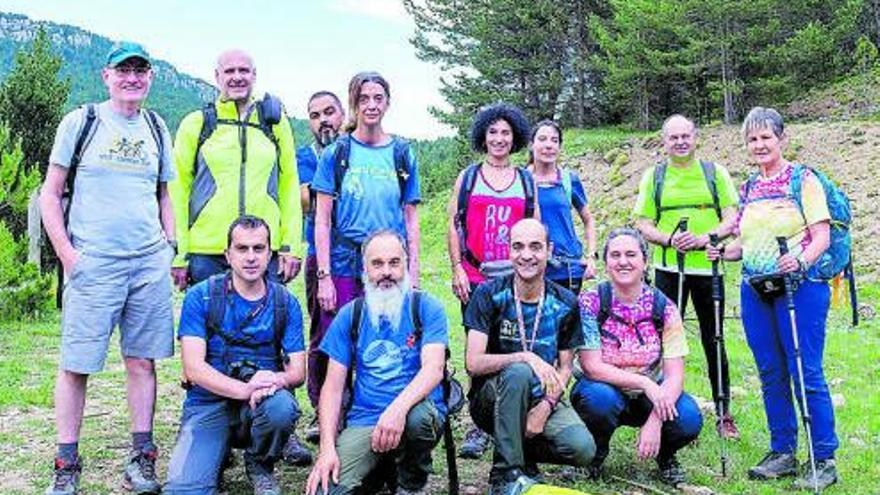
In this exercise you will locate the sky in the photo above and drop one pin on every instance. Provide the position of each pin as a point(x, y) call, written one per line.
point(298, 46)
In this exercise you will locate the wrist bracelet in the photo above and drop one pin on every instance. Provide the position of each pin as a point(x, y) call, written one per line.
point(550, 402)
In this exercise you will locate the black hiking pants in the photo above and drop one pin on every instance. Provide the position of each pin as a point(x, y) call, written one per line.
point(699, 289)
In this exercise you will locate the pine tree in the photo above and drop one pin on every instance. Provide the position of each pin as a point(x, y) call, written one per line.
point(32, 99)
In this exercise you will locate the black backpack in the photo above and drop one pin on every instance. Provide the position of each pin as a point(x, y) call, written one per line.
point(453, 394)
point(468, 181)
point(218, 290)
point(658, 309)
point(83, 139)
point(269, 114)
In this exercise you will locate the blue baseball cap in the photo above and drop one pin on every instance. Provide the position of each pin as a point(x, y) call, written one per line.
point(124, 50)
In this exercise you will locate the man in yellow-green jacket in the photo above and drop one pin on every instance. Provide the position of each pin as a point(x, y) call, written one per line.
point(234, 157)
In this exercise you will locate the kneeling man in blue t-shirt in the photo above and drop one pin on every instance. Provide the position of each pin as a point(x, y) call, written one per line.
point(394, 340)
point(242, 347)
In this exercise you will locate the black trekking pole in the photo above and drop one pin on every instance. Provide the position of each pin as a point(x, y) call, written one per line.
point(719, 350)
point(805, 411)
point(681, 227)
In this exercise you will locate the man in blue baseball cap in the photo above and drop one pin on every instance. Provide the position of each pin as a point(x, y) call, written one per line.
point(115, 240)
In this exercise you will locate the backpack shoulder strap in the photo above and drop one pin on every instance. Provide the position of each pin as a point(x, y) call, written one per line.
point(269, 109)
point(280, 300)
point(268, 115)
point(209, 125)
point(528, 184)
point(357, 314)
point(340, 160)
point(156, 131)
point(468, 181)
point(604, 289)
point(401, 163)
point(217, 292)
point(659, 177)
point(709, 172)
point(79, 147)
point(415, 306)
point(566, 179)
point(797, 184)
point(658, 310)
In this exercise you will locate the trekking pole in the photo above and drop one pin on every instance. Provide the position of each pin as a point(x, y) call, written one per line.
point(681, 227)
point(719, 349)
point(805, 411)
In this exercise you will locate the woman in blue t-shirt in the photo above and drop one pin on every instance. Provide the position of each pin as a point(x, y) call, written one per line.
point(560, 189)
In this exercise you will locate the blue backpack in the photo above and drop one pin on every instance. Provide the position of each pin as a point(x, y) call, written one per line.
point(837, 258)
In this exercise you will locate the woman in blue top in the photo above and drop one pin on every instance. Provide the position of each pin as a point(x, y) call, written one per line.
point(560, 190)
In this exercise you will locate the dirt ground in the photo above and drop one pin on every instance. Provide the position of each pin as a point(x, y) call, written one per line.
point(848, 152)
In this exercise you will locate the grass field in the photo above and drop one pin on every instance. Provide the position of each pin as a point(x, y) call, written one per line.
point(29, 355)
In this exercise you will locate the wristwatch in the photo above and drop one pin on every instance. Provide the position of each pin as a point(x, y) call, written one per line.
point(322, 273)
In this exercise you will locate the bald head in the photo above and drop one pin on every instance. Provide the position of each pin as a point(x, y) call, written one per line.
point(678, 121)
point(529, 249)
point(531, 228)
point(235, 74)
point(679, 138)
point(234, 55)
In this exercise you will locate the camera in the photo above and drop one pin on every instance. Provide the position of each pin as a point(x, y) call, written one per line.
point(242, 370)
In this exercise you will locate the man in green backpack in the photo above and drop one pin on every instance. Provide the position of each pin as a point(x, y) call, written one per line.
point(681, 201)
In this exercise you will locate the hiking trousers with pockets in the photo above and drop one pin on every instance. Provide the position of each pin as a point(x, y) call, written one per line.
point(424, 426)
point(500, 408)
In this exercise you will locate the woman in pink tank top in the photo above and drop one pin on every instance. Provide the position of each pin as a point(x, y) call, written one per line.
point(488, 198)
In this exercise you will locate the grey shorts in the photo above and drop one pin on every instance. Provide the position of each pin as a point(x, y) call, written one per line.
point(101, 293)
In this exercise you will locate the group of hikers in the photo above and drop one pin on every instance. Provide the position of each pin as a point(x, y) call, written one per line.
point(222, 213)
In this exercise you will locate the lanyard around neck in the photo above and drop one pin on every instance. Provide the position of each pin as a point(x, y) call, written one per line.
point(527, 346)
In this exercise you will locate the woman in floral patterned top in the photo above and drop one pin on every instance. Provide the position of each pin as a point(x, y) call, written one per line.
point(633, 362)
point(768, 210)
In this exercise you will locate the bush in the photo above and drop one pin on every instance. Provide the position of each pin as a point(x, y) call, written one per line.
point(24, 292)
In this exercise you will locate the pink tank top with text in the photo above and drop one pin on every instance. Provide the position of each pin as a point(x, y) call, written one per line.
point(490, 215)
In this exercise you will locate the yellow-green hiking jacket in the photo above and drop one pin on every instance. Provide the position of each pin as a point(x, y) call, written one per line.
point(235, 173)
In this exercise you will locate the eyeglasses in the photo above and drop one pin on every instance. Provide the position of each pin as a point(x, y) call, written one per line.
point(127, 70)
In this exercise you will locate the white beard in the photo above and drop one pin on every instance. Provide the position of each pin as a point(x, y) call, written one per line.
point(387, 303)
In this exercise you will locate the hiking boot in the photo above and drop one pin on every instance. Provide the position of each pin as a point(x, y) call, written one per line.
point(476, 441)
point(774, 465)
point(671, 471)
point(532, 470)
point(313, 433)
point(261, 476)
point(514, 482)
point(140, 474)
point(65, 481)
point(726, 427)
point(295, 453)
point(826, 475)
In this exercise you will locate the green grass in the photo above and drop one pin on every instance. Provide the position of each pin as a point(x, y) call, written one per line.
point(29, 356)
point(578, 142)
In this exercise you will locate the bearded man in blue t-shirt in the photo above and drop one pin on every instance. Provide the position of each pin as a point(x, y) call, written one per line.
point(396, 407)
